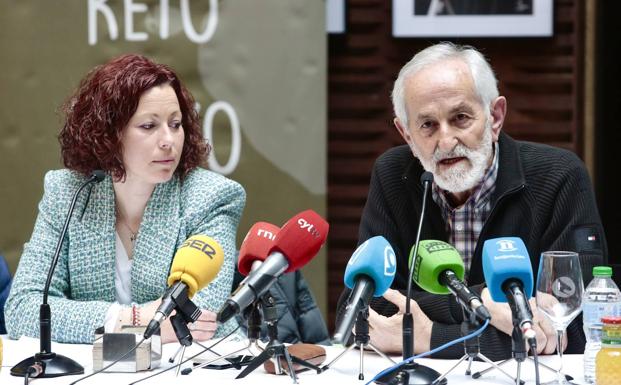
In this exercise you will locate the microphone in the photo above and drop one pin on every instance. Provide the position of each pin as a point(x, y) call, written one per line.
point(509, 277)
point(295, 244)
point(256, 245)
point(53, 364)
point(196, 263)
point(439, 269)
point(426, 180)
point(413, 372)
point(369, 273)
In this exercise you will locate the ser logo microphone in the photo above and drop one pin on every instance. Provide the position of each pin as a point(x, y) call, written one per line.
point(309, 227)
point(200, 245)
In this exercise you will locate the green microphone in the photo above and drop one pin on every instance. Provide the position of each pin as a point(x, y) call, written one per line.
point(434, 257)
point(439, 269)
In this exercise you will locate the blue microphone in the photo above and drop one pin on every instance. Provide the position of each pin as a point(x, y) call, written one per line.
point(509, 277)
point(369, 273)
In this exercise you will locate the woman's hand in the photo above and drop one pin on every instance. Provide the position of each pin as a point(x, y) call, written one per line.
point(202, 329)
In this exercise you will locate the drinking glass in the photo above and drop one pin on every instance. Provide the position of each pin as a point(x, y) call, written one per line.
point(559, 295)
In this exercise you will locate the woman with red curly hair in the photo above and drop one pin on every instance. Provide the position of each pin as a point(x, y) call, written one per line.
point(135, 120)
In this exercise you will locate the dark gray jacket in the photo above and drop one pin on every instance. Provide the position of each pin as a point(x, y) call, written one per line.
point(299, 318)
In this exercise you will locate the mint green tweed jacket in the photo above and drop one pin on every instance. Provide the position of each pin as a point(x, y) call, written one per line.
point(82, 288)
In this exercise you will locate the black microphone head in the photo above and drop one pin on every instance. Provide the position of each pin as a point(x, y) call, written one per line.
point(227, 311)
point(482, 313)
point(426, 177)
point(98, 175)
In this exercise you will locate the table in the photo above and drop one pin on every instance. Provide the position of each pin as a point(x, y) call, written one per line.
point(344, 371)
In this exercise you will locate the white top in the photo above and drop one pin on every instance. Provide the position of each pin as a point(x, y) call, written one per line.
point(122, 273)
point(122, 284)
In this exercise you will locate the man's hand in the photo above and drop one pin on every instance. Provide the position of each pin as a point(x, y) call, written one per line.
point(385, 332)
point(539, 318)
point(500, 312)
point(502, 320)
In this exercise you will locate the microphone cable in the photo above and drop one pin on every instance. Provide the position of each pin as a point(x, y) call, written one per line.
point(533, 347)
point(187, 359)
point(396, 366)
point(171, 360)
point(33, 371)
point(109, 365)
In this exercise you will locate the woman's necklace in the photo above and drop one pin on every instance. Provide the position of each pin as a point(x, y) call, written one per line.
point(132, 234)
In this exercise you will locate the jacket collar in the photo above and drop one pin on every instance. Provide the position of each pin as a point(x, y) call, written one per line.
point(411, 177)
point(510, 171)
point(156, 241)
point(509, 180)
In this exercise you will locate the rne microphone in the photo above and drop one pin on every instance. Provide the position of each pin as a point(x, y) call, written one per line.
point(255, 247)
point(369, 273)
point(296, 243)
point(440, 270)
point(196, 263)
point(509, 277)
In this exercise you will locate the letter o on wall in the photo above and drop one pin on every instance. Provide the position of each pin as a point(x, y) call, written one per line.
point(233, 160)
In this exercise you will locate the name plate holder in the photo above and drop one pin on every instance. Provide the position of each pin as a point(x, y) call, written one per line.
point(108, 347)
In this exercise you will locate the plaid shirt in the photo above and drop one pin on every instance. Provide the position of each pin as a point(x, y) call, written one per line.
point(464, 223)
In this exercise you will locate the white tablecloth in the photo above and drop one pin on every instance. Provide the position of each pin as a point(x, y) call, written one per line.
point(344, 371)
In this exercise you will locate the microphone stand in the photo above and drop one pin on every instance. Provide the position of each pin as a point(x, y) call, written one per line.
point(518, 353)
point(186, 312)
point(361, 341)
point(253, 316)
point(471, 347)
point(275, 349)
point(50, 363)
point(413, 373)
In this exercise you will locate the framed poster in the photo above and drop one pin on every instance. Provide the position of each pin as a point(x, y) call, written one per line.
point(471, 18)
point(335, 16)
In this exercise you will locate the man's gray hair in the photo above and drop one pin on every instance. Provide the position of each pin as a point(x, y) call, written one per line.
point(485, 81)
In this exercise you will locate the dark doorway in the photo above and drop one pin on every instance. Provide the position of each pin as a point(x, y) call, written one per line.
point(607, 122)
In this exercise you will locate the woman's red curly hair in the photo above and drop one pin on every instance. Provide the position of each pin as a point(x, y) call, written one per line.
point(97, 113)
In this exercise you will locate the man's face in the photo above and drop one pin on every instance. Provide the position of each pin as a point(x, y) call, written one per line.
point(448, 130)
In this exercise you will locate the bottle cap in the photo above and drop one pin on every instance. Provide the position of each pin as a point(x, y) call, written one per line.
point(602, 271)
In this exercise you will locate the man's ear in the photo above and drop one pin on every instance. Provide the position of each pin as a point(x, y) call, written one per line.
point(405, 133)
point(498, 111)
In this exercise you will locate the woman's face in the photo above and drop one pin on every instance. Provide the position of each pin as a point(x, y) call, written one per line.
point(153, 139)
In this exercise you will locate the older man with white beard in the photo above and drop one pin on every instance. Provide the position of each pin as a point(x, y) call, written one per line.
point(486, 185)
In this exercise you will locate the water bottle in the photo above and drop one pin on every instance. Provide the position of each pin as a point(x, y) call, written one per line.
point(602, 298)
